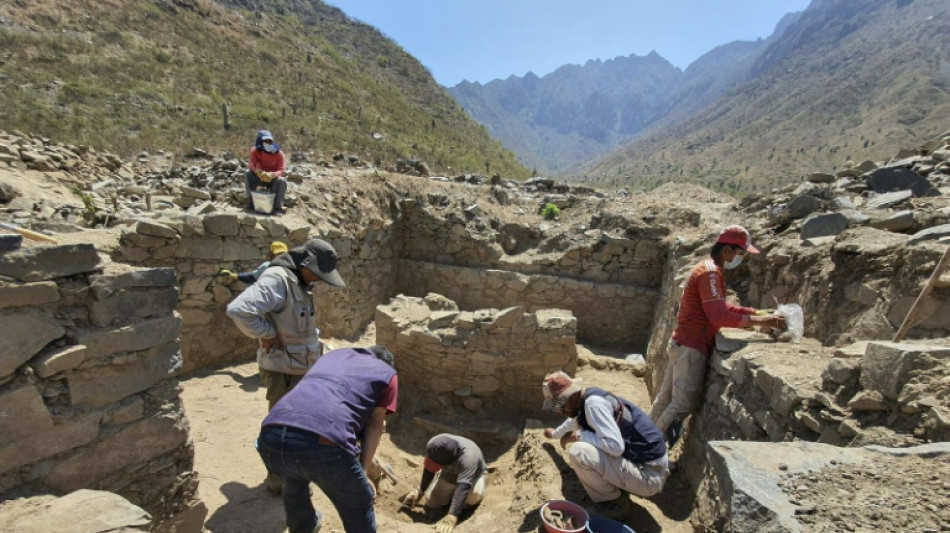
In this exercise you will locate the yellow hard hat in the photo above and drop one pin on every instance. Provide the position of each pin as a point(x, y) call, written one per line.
point(277, 248)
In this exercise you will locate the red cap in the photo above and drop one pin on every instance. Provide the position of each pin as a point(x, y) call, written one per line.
point(737, 236)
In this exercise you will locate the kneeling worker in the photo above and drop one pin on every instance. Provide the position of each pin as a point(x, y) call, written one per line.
point(611, 443)
point(454, 472)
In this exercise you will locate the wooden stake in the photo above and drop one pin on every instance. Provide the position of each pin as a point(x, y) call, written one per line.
point(911, 317)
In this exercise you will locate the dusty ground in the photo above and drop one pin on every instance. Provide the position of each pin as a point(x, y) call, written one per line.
point(225, 407)
point(905, 494)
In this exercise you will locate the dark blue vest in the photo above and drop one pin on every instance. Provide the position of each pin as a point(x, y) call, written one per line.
point(336, 396)
point(642, 440)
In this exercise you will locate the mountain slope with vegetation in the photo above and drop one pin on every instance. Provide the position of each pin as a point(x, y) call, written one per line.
point(848, 79)
point(136, 75)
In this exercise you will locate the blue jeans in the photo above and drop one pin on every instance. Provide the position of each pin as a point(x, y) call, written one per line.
point(299, 457)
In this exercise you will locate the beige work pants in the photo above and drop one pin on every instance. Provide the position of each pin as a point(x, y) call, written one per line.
point(604, 475)
point(277, 385)
point(682, 384)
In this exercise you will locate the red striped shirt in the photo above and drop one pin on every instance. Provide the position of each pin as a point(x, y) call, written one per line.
point(704, 309)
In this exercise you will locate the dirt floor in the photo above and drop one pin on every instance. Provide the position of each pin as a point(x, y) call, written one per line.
point(225, 407)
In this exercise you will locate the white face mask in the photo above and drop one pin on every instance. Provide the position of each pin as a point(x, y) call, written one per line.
point(736, 261)
point(270, 148)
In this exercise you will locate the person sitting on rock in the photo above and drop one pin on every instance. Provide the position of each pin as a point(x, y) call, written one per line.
point(703, 310)
point(265, 169)
point(276, 248)
point(453, 474)
point(611, 444)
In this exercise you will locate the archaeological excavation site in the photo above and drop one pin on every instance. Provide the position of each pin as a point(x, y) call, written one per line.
point(130, 401)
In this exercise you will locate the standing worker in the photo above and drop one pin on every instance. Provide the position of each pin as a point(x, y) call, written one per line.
point(453, 474)
point(265, 168)
point(276, 248)
point(326, 431)
point(703, 311)
point(611, 444)
point(278, 311)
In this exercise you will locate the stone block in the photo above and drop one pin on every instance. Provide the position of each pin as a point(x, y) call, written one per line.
point(556, 319)
point(784, 397)
point(28, 294)
point(22, 413)
point(107, 283)
point(842, 371)
point(827, 225)
point(233, 250)
point(129, 410)
point(930, 234)
point(143, 335)
point(196, 317)
point(132, 446)
point(900, 221)
point(42, 263)
point(122, 306)
point(820, 177)
point(25, 334)
point(507, 318)
point(899, 179)
point(886, 366)
point(54, 360)
point(210, 249)
point(155, 229)
point(223, 224)
point(193, 192)
point(54, 440)
point(195, 285)
point(764, 380)
point(10, 242)
point(888, 199)
point(144, 370)
point(861, 293)
point(83, 511)
point(868, 401)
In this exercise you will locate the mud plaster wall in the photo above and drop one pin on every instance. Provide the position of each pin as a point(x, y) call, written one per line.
point(87, 361)
point(487, 361)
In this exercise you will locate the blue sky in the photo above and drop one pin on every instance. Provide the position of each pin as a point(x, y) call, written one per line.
point(480, 40)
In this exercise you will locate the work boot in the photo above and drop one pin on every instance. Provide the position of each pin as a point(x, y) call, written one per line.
point(617, 509)
point(274, 484)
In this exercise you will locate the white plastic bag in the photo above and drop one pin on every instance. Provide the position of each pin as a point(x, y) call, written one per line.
point(795, 319)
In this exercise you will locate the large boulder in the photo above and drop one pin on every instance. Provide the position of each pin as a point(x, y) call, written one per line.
point(899, 179)
point(827, 225)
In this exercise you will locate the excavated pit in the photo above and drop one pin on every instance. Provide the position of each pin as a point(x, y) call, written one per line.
point(501, 296)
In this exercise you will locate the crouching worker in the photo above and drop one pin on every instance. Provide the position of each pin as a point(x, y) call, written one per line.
point(611, 444)
point(453, 475)
point(326, 431)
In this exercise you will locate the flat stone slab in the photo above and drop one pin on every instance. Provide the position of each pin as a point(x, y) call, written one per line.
point(83, 511)
point(42, 263)
point(930, 234)
point(827, 225)
point(889, 199)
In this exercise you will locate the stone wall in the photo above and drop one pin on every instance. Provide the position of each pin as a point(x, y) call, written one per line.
point(198, 247)
point(877, 392)
point(608, 279)
point(487, 361)
point(87, 393)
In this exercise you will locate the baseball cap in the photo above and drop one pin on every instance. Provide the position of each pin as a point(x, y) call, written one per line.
point(557, 388)
point(737, 236)
point(321, 260)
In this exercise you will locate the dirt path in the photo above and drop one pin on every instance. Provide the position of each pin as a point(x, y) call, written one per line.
point(225, 407)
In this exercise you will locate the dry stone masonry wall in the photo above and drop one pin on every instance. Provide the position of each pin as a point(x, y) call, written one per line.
point(88, 397)
point(487, 361)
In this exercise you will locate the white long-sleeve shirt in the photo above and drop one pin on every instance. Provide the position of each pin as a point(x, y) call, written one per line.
point(600, 417)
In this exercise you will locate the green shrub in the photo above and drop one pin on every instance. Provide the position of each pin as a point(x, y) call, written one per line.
point(550, 211)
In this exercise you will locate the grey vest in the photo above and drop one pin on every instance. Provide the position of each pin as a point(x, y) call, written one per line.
point(294, 324)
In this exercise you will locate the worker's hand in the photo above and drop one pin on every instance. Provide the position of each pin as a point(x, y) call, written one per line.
point(266, 176)
point(568, 438)
point(273, 342)
point(777, 322)
point(412, 499)
point(447, 524)
point(764, 312)
point(227, 277)
point(549, 433)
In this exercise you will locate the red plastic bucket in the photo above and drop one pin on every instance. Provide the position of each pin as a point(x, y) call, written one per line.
point(575, 511)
